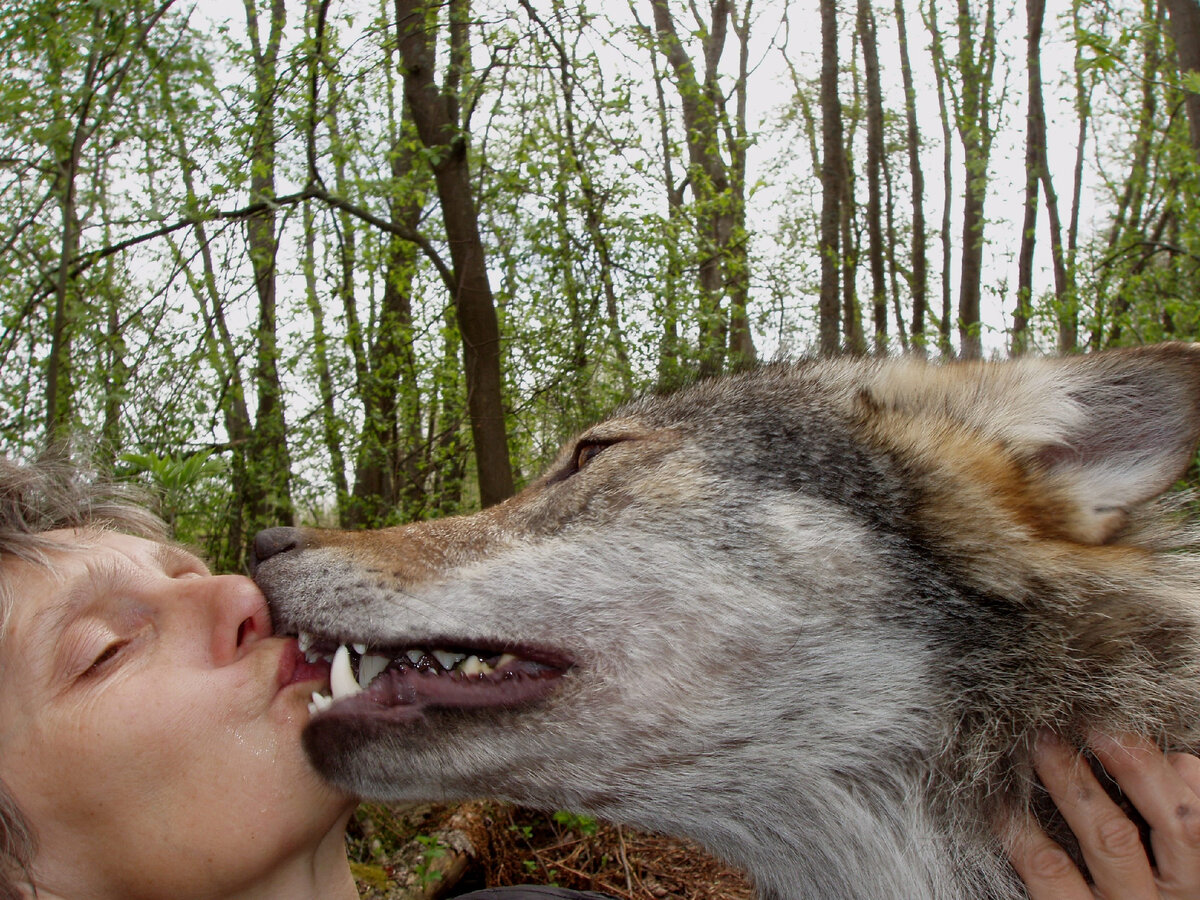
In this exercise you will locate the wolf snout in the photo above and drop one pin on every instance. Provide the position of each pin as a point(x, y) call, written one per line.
point(273, 541)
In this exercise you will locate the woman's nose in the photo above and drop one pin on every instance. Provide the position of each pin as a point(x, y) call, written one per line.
point(239, 615)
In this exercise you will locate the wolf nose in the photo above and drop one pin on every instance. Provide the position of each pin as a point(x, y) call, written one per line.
point(273, 541)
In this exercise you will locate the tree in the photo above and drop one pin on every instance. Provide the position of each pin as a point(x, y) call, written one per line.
point(918, 279)
point(875, 164)
point(1185, 34)
point(436, 115)
point(833, 187)
point(85, 82)
point(266, 491)
point(717, 185)
point(1037, 174)
point(974, 108)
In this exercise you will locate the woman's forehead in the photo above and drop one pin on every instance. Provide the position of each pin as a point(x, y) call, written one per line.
point(39, 593)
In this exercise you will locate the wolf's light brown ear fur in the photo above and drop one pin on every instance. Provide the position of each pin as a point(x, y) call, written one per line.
point(1096, 435)
point(1133, 433)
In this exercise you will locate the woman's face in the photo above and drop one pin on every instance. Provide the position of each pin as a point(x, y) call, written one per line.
point(150, 724)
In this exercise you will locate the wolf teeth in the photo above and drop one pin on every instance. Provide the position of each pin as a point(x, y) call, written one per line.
point(473, 665)
point(371, 665)
point(320, 703)
point(342, 682)
point(448, 660)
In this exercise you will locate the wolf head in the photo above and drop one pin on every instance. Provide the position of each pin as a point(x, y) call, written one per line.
point(811, 616)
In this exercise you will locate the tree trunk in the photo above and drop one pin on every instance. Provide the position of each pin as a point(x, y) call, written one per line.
point(742, 352)
point(1185, 32)
point(919, 278)
point(875, 151)
point(708, 173)
point(435, 115)
point(267, 490)
point(1083, 114)
point(1035, 130)
point(832, 185)
point(941, 79)
point(669, 373)
point(976, 130)
point(320, 357)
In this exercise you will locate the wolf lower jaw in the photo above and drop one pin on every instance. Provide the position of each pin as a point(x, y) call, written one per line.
point(812, 843)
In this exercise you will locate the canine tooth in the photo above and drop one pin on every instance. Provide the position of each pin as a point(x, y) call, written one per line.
point(473, 665)
point(447, 659)
point(369, 666)
point(341, 676)
point(414, 655)
point(305, 640)
point(360, 649)
point(504, 660)
point(319, 703)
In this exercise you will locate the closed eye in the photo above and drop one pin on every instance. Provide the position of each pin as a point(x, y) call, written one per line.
point(107, 656)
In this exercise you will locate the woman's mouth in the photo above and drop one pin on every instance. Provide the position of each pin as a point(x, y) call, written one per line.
point(297, 667)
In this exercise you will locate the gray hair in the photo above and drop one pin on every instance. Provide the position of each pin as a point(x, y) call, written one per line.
point(52, 493)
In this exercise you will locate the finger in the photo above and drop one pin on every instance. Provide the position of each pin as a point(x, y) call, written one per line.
point(1046, 869)
point(1188, 768)
point(1109, 841)
point(1166, 800)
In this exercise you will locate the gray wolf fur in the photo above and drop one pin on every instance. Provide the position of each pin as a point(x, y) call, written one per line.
point(812, 617)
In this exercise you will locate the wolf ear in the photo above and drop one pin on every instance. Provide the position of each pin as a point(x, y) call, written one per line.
point(1117, 429)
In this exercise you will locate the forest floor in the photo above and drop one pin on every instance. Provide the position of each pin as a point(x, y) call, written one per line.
point(430, 852)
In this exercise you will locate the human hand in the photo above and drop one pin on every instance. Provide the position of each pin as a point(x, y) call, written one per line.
point(1165, 789)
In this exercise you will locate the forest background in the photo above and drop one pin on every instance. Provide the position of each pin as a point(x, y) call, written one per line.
point(358, 262)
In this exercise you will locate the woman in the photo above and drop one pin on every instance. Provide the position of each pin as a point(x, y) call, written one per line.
point(150, 731)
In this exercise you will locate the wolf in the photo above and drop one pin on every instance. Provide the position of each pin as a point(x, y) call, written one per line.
point(812, 617)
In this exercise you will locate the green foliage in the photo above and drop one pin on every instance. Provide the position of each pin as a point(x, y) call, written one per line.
point(432, 850)
point(570, 821)
point(134, 307)
point(184, 484)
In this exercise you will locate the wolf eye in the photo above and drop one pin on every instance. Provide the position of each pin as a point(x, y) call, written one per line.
point(589, 450)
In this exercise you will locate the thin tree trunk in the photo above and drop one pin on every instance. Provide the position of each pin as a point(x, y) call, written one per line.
point(919, 279)
point(222, 353)
point(975, 132)
point(941, 78)
point(1127, 221)
point(669, 371)
point(267, 491)
point(1083, 114)
point(1035, 131)
point(742, 352)
point(832, 185)
point(708, 173)
point(875, 151)
point(435, 114)
point(591, 200)
point(320, 358)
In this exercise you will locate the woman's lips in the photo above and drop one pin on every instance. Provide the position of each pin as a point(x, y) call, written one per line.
point(294, 668)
